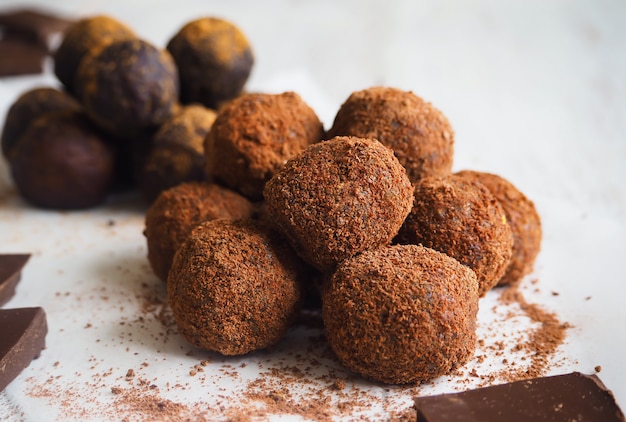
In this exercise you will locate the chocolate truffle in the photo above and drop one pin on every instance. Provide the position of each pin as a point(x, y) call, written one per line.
point(176, 211)
point(86, 37)
point(214, 61)
point(523, 218)
point(253, 136)
point(234, 287)
point(401, 314)
point(419, 134)
point(129, 87)
point(339, 197)
point(30, 105)
point(63, 162)
point(177, 153)
point(463, 220)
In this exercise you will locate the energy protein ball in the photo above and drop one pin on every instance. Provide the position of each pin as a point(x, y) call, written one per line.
point(401, 314)
point(523, 218)
point(63, 162)
point(30, 105)
point(86, 37)
point(176, 211)
point(339, 197)
point(128, 87)
point(177, 151)
point(234, 287)
point(254, 135)
point(418, 133)
point(464, 220)
point(214, 60)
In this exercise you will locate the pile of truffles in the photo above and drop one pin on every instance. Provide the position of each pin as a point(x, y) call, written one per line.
point(365, 223)
point(257, 211)
point(129, 114)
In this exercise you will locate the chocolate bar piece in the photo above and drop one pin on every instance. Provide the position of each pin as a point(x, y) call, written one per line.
point(18, 57)
point(10, 273)
point(33, 26)
point(569, 397)
point(22, 337)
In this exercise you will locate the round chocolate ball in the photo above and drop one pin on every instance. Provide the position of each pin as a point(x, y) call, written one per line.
point(419, 134)
point(339, 197)
point(176, 211)
point(86, 37)
point(128, 88)
point(401, 314)
point(254, 135)
point(523, 219)
point(464, 220)
point(234, 287)
point(30, 105)
point(177, 152)
point(63, 162)
point(214, 60)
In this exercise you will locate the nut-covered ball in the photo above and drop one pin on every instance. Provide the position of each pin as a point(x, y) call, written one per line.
point(339, 197)
point(234, 287)
point(523, 218)
point(176, 211)
point(419, 134)
point(254, 135)
point(63, 162)
point(30, 105)
point(214, 60)
point(464, 220)
point(86, 37)
point(401, 314)
point(129, 87)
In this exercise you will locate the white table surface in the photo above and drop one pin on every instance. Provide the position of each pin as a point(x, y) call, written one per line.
point(535, 91)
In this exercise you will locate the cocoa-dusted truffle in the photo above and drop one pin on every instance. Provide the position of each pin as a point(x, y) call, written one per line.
point(419, 134)
point(177, 153)
point(63, 162)
point(234, 287)
point(30, 105)
point(401, 314)
point(463, 220)
point(339, 197)
point(86, 37)
point(214, 60)
point(129, 87)
point(253, 136)
point(176, 211)
point(523, 218)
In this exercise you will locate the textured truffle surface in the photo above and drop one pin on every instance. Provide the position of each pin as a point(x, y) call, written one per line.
point(254, 135)
point(339, 197)
point(30, 105)
point(464, 220)
point(214, 59)
point(523, 218)
point(419, 134)
point(401, 314)
point(176, 211)
point(234, 287)
point(86, 37)
point(177, 152)
point(128, 87)
point(63, 162)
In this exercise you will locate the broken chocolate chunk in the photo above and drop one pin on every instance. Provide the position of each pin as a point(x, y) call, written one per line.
point(569, 397)
point(22, 337)
point(34, 26)
point(18, 57)
point(10, 273)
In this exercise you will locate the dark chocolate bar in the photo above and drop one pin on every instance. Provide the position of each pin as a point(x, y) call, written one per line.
point(569, 397)
point(33, 26)
point(22, 337)
point(10, 272)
